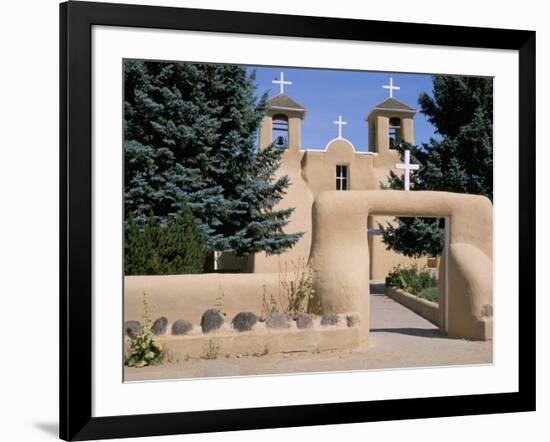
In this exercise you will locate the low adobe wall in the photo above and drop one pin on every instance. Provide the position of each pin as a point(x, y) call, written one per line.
point(260, 341)
point(189, 296)
point(427, 309)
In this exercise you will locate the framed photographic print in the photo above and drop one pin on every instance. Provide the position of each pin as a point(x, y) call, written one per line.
point(273, 220)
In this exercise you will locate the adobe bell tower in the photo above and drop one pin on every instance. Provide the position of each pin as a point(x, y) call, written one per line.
point(390, 122)
point(282, 123)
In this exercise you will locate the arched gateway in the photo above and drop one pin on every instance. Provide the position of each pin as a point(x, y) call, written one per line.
point(340, 255)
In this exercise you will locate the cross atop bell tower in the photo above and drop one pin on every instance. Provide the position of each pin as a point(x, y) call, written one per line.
point(281, 82)
point(391, 87)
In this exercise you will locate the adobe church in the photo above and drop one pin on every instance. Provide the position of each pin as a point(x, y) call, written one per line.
point(337, 167)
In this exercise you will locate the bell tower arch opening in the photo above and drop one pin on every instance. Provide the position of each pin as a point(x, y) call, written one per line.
point(280, 131)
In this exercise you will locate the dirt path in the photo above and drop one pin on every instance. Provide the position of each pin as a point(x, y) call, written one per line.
point(400, 338)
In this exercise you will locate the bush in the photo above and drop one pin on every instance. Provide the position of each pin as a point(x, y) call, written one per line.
point(413, 280)
point(173, 248)
point(144, 349)
point(431, 294)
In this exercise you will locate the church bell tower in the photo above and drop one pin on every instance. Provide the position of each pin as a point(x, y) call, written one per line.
point(390, 122)
point(282, 122)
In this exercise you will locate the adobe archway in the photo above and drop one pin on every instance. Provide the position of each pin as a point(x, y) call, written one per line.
point(340, 256)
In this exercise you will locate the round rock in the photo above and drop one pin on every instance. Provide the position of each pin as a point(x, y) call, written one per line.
point(160, 326)
point(244, 321)
point(330, 319)
point(212, 319)
point(279, 320)
point(131, 328)
point(352, 319)
point(304, 320)
point(181, 327)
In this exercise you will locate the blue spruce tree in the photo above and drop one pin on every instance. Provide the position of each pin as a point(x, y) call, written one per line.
point(190, 132)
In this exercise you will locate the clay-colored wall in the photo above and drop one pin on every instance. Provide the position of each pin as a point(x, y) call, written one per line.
point(407, 129)
point(339, 249)
point(294, 133)
point(382, 133)
point(188, 296)
point(372, 139)
point(319, 168)
point(266, 132)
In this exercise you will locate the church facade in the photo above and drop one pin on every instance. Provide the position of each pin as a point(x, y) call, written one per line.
point(336, 167)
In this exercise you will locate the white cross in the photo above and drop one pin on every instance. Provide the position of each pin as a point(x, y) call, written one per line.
point(340, 123)
point(407, 167)
point(282, 82)
point(391, 87)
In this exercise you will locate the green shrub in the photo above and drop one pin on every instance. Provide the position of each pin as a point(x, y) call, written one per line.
point(144, 349)
point(430, 293)
point(174, 247)
point(413, 280)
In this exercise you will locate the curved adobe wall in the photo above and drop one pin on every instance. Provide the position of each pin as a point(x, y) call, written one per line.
point(340, 255)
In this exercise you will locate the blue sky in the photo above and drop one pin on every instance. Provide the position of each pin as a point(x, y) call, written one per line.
point(329, 93)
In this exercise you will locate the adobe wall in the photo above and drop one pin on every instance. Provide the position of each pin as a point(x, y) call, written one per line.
point(189, 296)
point(319, 168)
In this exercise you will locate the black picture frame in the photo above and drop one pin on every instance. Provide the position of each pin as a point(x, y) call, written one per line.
point(76, 21)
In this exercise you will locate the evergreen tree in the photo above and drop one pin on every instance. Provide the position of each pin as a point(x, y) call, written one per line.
point(460, 161)
point(190, 132)
point(175, 247)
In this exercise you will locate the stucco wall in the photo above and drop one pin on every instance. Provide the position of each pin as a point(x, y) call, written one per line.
point(319, 168)
point(188, 296)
